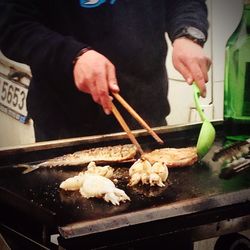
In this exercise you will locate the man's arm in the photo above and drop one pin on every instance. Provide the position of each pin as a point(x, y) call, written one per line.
point(182, 13)
point(188, 55)
point(26, 38)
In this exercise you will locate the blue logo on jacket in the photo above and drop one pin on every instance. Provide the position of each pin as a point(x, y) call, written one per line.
point(93, 3)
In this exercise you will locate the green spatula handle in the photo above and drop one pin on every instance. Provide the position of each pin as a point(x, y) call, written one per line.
point(197, 94)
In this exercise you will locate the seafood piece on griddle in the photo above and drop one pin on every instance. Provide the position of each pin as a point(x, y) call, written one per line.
point(105, 171)
point(117, 153)
point(101, 187)
point(173, 157)
point(109, 154)
point(146, 173)
point(95, 186)
point(75, 182)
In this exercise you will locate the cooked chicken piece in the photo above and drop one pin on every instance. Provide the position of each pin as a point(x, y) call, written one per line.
point(105, 171)
point(101, 187)
point(143, 171)
point(72, 183)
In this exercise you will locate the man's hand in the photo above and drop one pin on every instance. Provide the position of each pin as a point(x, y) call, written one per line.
point(95, 74)
point(190, 60)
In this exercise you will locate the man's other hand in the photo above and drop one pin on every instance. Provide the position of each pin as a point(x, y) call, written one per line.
point(190, 60)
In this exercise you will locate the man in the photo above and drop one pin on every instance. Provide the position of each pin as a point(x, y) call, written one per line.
point(81, 51)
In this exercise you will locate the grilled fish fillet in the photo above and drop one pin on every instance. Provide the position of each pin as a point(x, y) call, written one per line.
point(102, 154)
point(109, 154)
point(173, 157)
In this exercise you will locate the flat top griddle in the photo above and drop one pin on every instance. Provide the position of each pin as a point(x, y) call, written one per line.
point(188, 190)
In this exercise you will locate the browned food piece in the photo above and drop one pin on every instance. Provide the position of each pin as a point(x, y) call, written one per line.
point(107, 154)
point(173, 157)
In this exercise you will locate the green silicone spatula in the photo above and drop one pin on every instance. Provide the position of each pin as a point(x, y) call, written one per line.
point(207, 132)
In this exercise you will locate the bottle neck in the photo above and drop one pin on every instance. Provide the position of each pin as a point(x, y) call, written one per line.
point(246, 13)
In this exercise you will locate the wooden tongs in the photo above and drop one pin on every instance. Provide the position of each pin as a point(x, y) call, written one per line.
point(137, 117)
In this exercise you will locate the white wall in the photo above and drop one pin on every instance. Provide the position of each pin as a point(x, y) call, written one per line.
point(226, 15)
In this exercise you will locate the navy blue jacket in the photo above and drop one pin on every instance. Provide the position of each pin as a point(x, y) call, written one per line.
point(47, 35)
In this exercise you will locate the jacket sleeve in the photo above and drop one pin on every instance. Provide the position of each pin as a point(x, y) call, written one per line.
point(26, 38)
point(182, 13)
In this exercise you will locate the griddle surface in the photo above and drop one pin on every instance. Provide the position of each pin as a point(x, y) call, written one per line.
point(188, 190)
point(41, 188)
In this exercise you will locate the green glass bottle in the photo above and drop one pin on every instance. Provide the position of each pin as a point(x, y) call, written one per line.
point(237, 77)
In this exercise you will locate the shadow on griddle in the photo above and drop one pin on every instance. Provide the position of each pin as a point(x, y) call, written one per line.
point(7, 171)
point(88, 208)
